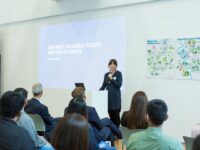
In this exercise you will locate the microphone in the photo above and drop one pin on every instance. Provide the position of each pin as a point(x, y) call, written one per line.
point(109, 75)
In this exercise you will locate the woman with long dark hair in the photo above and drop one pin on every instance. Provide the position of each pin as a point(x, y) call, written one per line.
point(135, 117)
point(71, 133)
point(78, 105)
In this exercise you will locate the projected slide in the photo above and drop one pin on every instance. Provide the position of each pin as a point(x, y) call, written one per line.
point(80, 51)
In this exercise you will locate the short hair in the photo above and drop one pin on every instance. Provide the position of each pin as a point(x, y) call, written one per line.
point(71, 133)
point(11, 103)
point(157, 111)
point(22, 92)
point(77, 105)
point(112, 61)
point(78, 92)
point(196, 143)
point(37, 89)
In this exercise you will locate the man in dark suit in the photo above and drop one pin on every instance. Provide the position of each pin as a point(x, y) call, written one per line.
point(13, 137)
point(34, 106)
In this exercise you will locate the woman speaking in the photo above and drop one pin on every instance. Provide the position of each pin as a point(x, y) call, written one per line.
point(112, 83)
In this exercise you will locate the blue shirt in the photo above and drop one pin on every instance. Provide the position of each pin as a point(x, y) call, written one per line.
point(26, 122)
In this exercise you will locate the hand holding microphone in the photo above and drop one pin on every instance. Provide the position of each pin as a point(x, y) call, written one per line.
point(110, 76)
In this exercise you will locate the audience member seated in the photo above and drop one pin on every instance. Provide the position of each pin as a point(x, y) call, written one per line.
point(71, 133)
point(26, 122)
point(79, 106)
point(135, 117)
point(153, 138)
point(195, 131)
point(13, 137)
point(196, 143)
point(34, 106)
point(104, 129)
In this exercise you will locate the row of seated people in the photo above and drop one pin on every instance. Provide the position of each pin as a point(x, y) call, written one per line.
point(153, 114)
point(70, 133)
point(18, 129)
point(150, 116)
point(103, 129)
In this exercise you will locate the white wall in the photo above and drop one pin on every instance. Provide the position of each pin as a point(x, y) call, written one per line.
point(21, 10)
point(168, 19)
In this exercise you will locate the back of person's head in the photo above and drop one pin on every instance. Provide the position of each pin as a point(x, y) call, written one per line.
point(196, 143)
point(157, 111)
point(22, 92)
point(11, 103)
point(77, 105)
point(71, 133)
point(78, 92)
point(136, 115)
point(37, 89)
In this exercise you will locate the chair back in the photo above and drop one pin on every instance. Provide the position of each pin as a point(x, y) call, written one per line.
point(126, 134)
point(39, 123)
point(188, 142)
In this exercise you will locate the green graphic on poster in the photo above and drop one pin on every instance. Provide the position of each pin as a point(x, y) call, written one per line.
point(174, 58)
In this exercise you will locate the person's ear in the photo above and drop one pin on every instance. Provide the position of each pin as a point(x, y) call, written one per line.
point(25, 102)
point(18, 115)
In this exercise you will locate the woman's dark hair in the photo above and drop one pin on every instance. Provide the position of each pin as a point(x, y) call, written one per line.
point(77, 105)
point(135, 117)
point(157, 111)
point(112, 61)
point(11, 103)
point(71, 133)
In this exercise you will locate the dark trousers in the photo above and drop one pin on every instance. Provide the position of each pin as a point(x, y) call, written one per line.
point(114, 116)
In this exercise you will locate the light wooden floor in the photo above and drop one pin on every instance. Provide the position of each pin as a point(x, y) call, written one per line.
point(118, 145)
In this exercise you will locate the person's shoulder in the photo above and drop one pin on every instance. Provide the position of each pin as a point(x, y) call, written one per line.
point(106, 74)
point(124, 113)
point(33, 101)
point(21, 130)
point(119, 72)
point(43, 105)
point(90, 108)
point(135, 137)
point(24, 117)
point(171, 141)
point(38, 103)
point(29, 102)
point(25, 137)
